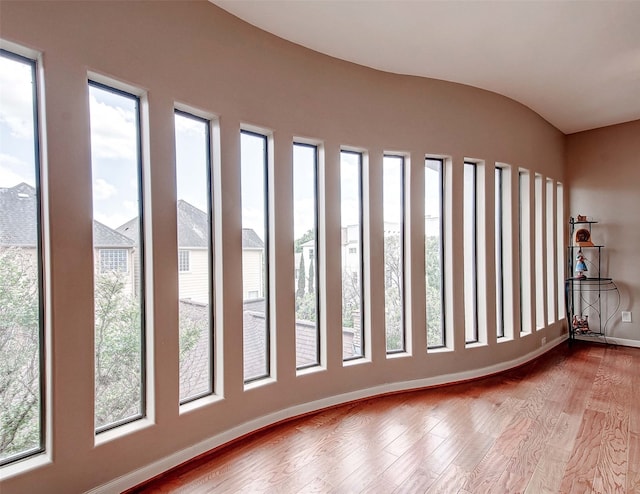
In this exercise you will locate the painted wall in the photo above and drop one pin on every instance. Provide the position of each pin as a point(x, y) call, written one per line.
point(603, 169)
point(194, 54)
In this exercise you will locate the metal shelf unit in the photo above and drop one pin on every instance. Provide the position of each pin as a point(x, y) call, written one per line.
point(584, 296)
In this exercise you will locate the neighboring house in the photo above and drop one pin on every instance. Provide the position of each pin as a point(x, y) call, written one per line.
point(252, 265)
point(113, 252)
point(193, 253)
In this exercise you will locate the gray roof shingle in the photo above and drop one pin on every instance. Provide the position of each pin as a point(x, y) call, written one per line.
point(18, 221)
point(193, 226)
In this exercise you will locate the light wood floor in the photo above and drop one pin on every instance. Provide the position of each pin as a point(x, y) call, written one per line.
point(567, 422)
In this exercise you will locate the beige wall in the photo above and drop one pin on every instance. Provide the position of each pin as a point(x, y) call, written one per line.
point(193, 53)
point(603, 170)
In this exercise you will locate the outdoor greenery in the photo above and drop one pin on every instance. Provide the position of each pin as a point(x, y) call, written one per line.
point(19, 353)
point(433, 268)
point(393, 303)
point(117, 351)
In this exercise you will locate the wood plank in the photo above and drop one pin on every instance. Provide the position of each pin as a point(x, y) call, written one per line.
point(633, 475)
point(580, 470)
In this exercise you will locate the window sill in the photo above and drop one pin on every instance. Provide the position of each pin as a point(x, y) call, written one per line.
point(25, 466)
point(123, 430)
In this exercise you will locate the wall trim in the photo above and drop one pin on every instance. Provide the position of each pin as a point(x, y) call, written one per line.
point(611, 340)
point(156, 468)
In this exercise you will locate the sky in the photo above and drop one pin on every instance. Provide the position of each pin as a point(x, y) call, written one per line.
point(17, 157)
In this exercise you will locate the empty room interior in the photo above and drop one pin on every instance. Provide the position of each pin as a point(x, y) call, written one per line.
point(234, 229)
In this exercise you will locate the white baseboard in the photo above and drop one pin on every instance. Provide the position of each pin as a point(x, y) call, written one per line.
point(156, 468)
point(612, 340)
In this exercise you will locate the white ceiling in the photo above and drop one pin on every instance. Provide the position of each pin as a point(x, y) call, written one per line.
point(576, 63)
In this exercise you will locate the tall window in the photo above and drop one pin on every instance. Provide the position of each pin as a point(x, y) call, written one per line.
point(255, 253)
point(499, 251)
point(433, 251)
point(352, 260)
point(118, 223)
point(393, 211)
point(551, 254)
point(525, 251)
point(470, 232)
point(21, 311)
point(539, 256)
point(193, 187)
point(560, 249)
point(305, 230)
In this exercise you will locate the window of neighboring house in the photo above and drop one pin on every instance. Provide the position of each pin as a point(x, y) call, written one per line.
point(255, 269)
point(470, 233)
point(116, 167)
point(305, 225)
point(22, 380)
point(525, 251)
point(183, 261)
point(352, 266)
point(499, 250)
point(434, 251)
point(393, 247)
point(194, 225)
point(114, 261)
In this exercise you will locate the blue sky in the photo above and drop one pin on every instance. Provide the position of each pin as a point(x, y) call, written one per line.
point(17, 157)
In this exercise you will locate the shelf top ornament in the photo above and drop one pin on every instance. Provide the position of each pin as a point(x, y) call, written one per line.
point(582, 236)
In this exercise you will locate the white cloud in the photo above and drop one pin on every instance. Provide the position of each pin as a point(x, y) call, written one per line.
point(16, 98)
point(113, 220)
point(102, 189)
point(14, 171)
point(186, 125)
point(113, 132)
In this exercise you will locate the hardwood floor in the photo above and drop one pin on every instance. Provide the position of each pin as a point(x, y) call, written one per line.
point(568, 422)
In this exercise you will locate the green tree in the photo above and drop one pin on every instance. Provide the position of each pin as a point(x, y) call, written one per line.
point(19, 353)
point(301, 278)
point(306, 308)
point(433, 273)
point(308, 235)
point(118, 377)
point(312, 282)
point(117, 350)
point(393, 292)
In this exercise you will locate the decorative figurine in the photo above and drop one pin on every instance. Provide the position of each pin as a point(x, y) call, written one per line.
point(581, 266)
point(580, 324)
